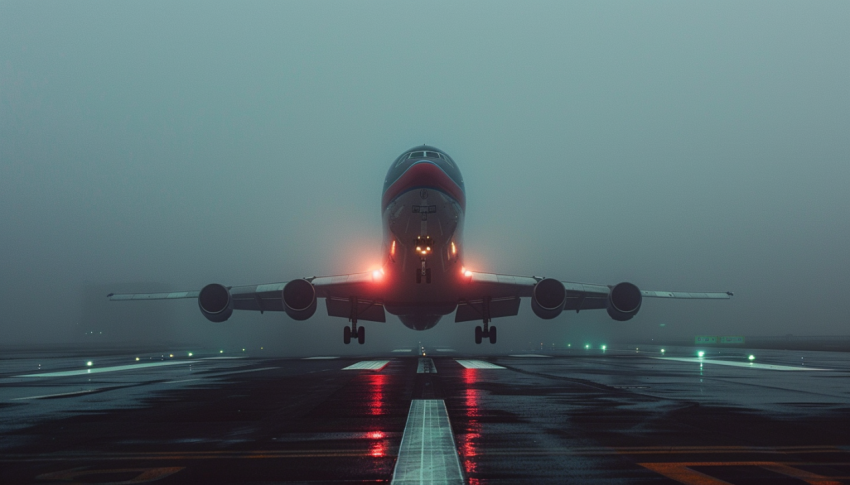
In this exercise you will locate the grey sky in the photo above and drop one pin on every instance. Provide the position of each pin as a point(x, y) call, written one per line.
point(682, 146)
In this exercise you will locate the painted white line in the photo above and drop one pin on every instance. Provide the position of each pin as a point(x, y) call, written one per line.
point(403, 350)
point(64, 394)
point(223, 358)
point(320, 358)
point(183, 380)
point(427, 454)
point(445, 350)
point(529, 355)
point(368, 365)
point(426, 366)
point(98, 370)
point(478, 364)
point(751, 365)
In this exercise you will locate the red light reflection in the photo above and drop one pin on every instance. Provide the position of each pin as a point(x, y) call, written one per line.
point(468, 441)
point(375, 386)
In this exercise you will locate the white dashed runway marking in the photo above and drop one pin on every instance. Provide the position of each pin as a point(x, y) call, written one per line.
point(478, 364)
point(368, 365)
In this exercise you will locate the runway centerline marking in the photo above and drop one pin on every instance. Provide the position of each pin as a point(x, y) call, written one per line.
point(426, 366)
point(403, 350)
point(98, 370)
point(375, 365)
point(427, 454)
point(321, 357)
point(751, 365)
point(478, 364)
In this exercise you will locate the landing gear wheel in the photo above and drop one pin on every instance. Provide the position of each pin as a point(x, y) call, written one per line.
point(492, 333)
point(346, 335)
point(361, 335)
point(478, 334)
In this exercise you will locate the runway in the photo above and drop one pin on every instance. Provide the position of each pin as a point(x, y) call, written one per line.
point(623, 415)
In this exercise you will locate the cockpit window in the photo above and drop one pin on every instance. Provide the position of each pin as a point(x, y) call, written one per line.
point(408, 159)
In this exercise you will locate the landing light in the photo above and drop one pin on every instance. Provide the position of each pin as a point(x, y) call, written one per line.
point(376, 274)
point(171, 355)
point(587, 346)
point(190, 354)
point(89, 363)
point(662, 351)
point(137, 359)
point(604, 347)
point(752, 357)
point(220, 351)
point(468, 274)
point(700, 353)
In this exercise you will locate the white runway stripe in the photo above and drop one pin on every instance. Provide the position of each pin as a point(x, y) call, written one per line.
point(427, 454)
point(478, 364)
point(426, 366)
point(320, 358)
point(98, 370)
point(528, 355)
point(64, 394)
point(368, 365)
point(751, 365)
point(403, 350)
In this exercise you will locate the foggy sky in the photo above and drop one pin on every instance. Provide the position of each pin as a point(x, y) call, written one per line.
point(679, 146)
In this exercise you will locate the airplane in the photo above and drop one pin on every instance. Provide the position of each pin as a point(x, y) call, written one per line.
point(422, 277)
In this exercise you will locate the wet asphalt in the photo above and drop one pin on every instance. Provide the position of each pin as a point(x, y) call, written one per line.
point(622, 415)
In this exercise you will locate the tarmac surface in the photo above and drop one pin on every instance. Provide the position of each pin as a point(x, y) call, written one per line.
point(620, 415)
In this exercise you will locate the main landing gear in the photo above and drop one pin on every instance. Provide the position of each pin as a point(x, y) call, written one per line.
point(488, 331)
point(353, 332)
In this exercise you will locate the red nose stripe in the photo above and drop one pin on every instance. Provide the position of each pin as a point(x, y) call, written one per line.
point(426, 175)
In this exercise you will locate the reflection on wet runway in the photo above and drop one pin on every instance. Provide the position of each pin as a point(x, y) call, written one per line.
point(585, 416)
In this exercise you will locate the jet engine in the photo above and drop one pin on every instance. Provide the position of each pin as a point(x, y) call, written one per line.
point(215, 303)
point(548, 298)
point(299, 299)
point(624, 301)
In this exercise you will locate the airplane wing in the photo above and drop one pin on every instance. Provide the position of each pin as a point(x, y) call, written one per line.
point(339, 293)
point(502, 293)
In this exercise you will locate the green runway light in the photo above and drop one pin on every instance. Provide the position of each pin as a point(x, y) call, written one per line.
point(220, 351)
point(569, 345)
point(752, 357)
point(604, 347)
point(587, 346)
point(89, 363)
point(662, 351)
point(700, 353)
point(243, 350)
point(190, 354)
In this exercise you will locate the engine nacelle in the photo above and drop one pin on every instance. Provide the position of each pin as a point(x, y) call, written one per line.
point(215, 303)
point(548, 298)
point(624, 301)
point(299, 299)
